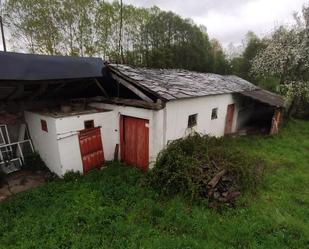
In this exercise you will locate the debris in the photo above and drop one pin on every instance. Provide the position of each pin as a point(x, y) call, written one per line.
point(214, 181)
point(233, 195)
point(221, 188)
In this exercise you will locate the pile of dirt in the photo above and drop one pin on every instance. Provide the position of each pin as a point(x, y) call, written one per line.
point(21, 181)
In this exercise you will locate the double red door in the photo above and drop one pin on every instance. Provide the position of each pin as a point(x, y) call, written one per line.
point(134, 141)
point(91, 148)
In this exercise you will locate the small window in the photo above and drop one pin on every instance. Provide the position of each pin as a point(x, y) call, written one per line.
point(88, 124)
point(214, 113)
point(192, 120)
point(44, 125)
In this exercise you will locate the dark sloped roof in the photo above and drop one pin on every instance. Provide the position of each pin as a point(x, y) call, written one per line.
point(265, 97)
point(175, 84)
point(18, 66)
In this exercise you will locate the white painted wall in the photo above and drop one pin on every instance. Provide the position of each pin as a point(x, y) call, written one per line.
point(171, 122)
point(155, 118)
point(59, 147)
point(60, 150)
point(178, 112)
point(45, 143)
point(67, 136)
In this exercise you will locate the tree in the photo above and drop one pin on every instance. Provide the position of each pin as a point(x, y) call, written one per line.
point(220, 63)
point(33, 23)
point(241, 65)
point(115, 31)
point(286, 56)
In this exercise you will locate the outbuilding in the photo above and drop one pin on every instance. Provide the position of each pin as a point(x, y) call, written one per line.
point(131, 114)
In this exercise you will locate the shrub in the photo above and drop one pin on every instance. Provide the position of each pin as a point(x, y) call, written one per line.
point(71, 176)
point(187, 165)
point(33, 161)
point(247, 168)
point(177, 169)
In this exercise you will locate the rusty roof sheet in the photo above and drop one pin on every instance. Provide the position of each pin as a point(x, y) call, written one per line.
point(173, 84)
point(265, 97)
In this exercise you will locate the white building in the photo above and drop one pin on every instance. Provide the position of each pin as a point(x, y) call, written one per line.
point(173, 104)
point(131, 114)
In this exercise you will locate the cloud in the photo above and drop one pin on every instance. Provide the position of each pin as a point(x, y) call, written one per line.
point(230, 20)
point(192, 8)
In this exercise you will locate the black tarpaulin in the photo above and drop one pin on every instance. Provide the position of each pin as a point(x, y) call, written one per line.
point(18, 66)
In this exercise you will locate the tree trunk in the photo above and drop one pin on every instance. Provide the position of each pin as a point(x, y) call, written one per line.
point(292, 108)
point(120, 34)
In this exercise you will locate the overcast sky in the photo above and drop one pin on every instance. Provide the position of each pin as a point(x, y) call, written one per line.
point(229, 20)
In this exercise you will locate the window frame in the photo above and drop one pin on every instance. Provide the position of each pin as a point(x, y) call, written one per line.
point(214, 113)
point(192, 123)
point(86, 122)
point(44, 126)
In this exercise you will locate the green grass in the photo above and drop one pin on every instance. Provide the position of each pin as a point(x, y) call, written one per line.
point(110, 208)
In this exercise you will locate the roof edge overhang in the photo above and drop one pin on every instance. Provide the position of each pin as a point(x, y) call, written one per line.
point(265, 97)
point(49, 81)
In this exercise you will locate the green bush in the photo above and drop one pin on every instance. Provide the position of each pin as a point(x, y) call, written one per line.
point(33, 161)
point(248, 169)
point(177, 169)
point(71, 176)
point(180, 166)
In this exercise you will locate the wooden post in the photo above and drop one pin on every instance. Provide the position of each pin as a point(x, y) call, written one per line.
point(276, 121)
point(116, 153)
point(2, 32)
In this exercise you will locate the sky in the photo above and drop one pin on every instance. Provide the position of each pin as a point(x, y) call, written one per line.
point(230, 20)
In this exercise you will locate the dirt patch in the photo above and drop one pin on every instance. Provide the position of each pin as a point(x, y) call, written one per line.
point(21, 181)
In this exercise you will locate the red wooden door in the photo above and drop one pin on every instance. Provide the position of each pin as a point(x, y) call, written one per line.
point(134, 141)
point(229, 118)
point(91, 148)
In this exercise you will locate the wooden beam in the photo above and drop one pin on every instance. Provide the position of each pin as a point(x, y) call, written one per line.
point(83, 86)
point(138, 103)
point(132, 88)
point(55, 90)
point(128, 79)
point(39, 92)
point(101, 87)
point(19, 91)
point(128, 102)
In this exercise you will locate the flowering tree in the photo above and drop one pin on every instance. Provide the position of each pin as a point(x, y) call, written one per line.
point(286, 57)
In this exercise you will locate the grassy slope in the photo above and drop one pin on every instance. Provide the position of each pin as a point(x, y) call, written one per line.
point(108, 209)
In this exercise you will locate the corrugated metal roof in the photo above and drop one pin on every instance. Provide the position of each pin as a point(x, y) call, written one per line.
point(265, 97)
point(175, 84)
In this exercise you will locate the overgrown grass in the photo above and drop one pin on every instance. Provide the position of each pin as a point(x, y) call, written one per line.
point(110, 208)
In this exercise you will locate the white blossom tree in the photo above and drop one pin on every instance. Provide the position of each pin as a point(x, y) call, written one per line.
point(286, 57)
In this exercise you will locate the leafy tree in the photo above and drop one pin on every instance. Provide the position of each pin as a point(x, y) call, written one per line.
point(241, 65)
point(33, 23)
point(220, 63)
point(115, 31)
point(286, 56)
